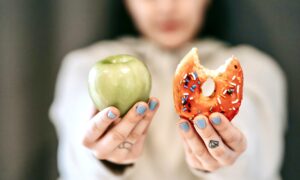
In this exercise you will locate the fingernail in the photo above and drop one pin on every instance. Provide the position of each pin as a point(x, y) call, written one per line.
point(140, 109)
point(184, 126)
point(201, 123)
point(152, 105)
point(216, 120)
point(111, 115)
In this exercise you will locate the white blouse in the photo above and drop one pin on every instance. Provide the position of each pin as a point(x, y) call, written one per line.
point(262, 116)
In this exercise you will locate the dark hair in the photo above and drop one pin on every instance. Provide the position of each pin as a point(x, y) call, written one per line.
point(125, 26)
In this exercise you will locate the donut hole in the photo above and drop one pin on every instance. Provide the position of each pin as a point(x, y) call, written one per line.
point(208, 87)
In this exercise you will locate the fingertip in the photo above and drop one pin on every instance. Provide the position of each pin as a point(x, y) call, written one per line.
point(112, 112)
point(141, 108)
point(183, 125)
point(153, 103)
point(200, 121)
point(217, 118)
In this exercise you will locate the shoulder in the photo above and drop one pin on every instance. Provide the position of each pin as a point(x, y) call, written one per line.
point(260, 69)
point(253, 60)
point(263, 76)
point(246, 53)
point(259, 66)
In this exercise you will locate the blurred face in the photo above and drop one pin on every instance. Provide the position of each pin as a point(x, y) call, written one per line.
point(169, 23)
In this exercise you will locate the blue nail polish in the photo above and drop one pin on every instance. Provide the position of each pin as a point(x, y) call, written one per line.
point(111, 115)
point(152, 105)
point(184, 126)
point(201, 123)
point(140, 109)
point(216, 120)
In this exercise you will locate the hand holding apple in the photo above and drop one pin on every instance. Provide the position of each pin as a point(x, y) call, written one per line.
point(120, 140)
point(119, 87)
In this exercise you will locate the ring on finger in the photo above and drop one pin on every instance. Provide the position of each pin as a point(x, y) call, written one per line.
point(125, 145)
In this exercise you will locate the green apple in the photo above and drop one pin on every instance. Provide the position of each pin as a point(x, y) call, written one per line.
point(120, 81)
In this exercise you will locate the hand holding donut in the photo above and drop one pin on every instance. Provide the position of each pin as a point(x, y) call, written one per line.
point(119, 140)
point(211, 143)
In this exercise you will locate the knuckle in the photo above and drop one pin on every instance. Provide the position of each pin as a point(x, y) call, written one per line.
point(147, 118)
point(134, 119)
point(188, 151)
point(232, 138)
point(200, 152)
point(219, 152)
point(95, 126)
point(208, 134)
point(224, 129)
point(117, 136)
point(134, 135)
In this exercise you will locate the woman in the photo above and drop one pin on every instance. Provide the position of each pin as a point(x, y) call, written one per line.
point(251, 147)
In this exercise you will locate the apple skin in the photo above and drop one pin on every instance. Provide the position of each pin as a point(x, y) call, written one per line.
point(119, 81)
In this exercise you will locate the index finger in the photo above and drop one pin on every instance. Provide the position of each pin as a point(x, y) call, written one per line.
point(142, 126)
point(98, 124)
point(231, 135)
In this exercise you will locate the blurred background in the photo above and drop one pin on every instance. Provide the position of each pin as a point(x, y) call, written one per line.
point(36, 34)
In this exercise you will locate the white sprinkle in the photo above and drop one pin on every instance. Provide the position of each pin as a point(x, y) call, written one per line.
point(237, 89)
point(233, 78)
point(235, 101)
point(186, 94)
point(191, 98)
point(233, 108)
point(219, 101)
point(224, 92)
point(232, 83)
point(184, 76)
point(194, 77)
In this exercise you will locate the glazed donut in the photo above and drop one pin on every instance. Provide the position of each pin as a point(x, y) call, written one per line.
point(188, 95)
